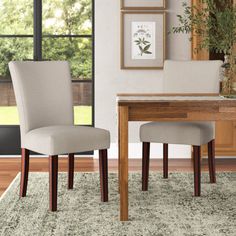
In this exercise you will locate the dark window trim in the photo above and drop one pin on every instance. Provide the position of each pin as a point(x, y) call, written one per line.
point(46, 36)
point(16, 36)
point(73, 81)
point(38, 36)
point(38, 30)
point(37, 15)
point(93, 62)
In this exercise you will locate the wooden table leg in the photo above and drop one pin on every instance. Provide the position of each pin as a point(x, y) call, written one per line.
point(123, 159)
point(119, 152)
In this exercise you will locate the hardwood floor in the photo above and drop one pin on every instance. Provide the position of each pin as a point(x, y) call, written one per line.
point(9, 167)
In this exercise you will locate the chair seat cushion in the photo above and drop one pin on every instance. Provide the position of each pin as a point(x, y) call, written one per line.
point(55, 140)
point(189, 133)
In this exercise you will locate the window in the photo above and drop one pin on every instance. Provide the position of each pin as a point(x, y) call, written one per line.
point(48, 30)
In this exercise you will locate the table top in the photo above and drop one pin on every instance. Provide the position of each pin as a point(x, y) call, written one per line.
point(161, 97)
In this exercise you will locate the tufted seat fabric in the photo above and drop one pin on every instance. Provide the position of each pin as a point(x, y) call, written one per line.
point(192, 133)
point(55, 140)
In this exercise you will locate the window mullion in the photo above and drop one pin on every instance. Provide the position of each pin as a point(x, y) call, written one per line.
point(37, 30)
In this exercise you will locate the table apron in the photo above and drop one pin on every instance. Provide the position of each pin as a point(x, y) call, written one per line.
point(182, 113)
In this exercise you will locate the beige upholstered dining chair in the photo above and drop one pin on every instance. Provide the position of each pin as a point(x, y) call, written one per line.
point(43, 93)
point(184, 77)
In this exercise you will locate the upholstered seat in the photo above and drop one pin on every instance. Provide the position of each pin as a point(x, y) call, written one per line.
point(184, 77)
point(188, 133)
point(44, 100)
point(55, 140)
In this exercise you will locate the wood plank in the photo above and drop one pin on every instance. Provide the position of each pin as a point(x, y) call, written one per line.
point(180, 110)
point(123, 159)
point(168, 101)
point(188, 116)
point(223, 146)
point(10, 167)
point(158, 109)
point(167, 94)
point(196, 39)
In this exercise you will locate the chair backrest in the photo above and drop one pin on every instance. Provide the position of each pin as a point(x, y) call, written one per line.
point(191, 76)
point(43, 94)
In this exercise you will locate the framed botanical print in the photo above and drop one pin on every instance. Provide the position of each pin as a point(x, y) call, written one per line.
point(142, 40)
point(143, 4)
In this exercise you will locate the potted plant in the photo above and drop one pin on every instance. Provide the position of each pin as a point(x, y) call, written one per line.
point(215, 23)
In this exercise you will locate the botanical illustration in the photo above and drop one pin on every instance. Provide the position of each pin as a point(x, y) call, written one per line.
point(143, 40)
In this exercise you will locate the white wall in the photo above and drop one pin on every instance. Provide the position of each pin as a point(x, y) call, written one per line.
point(110, 79)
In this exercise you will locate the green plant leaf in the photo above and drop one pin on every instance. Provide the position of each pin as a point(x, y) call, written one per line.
point(140, 48)
point(147, 52)
point(147, 47)
point(215, 23)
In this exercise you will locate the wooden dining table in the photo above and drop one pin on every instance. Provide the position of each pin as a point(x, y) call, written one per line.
point(163, 107)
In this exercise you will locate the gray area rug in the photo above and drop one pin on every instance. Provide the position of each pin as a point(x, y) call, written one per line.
point(168, 208)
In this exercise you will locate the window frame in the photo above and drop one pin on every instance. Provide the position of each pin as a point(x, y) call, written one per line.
point(11, 133)
point(37, 44)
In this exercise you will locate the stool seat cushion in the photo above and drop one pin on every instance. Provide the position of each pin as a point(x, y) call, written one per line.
point(188, 133)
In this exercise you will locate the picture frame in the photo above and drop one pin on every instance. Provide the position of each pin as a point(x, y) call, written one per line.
point(143, 4)
point(143, 36)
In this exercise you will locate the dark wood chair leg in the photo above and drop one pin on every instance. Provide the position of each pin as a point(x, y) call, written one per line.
point(53, 176)
point(211, 161)
point(145, 165)
point(71, 160)
point(103, 169)
point(165, 160)
point(197, 170)
point(24, 171)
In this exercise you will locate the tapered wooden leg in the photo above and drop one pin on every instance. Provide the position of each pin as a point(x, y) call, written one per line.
point(145, 165)
point(70, 170)
point(197, 170)
point(119, 153)
point(53, 176)
point(118, 172)
point(24, 171)
point(165, 160)
point(103, 168)
point(123, 117)
point(211, 161)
